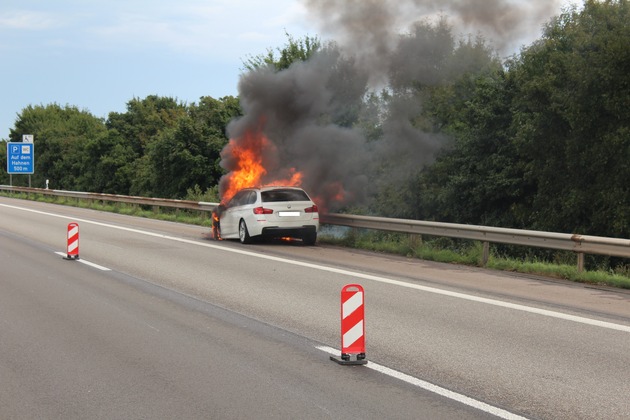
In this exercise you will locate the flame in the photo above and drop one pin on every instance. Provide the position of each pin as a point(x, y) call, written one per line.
point(338, 193)
point(250, 156)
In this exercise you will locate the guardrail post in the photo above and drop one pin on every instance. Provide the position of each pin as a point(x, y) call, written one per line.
point(415, 240)
point(486, 253)
point(580, 262)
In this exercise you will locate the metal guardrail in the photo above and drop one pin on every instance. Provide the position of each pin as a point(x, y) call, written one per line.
point(129, 199)
point(580, 244)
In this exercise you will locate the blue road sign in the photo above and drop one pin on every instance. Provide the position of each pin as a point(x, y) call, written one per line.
point(20, 158)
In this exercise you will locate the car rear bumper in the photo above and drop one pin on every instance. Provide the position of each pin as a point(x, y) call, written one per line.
point(294, 232)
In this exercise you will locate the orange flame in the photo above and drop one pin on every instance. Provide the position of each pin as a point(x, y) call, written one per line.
point(248, 152)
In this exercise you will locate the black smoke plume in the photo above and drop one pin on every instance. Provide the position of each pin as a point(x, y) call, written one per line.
point(317, 114)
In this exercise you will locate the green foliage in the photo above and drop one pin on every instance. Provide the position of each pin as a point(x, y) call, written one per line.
point(180, 157)
point(571, 122)
point(543, 143)
point(469, 253)
point(159, 147)
point(431, 68)
point(479, 179)
point(145, 119)
point(60, 134)
point(211, 195)
point(109, 161)
point(188, 153)
point(294, 50)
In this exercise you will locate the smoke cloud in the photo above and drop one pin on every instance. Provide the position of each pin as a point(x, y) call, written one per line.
point(371, 28)
point(316, 115)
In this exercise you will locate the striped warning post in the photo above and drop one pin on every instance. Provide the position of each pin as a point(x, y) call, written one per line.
point(73, 241)
point(352, 326)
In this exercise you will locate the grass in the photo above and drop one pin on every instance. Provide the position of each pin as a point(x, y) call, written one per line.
point(444, 250)
point(471, 253)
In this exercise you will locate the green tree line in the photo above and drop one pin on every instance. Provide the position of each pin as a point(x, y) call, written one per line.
point(541, 142)
point(538, 141)
point(159, 147)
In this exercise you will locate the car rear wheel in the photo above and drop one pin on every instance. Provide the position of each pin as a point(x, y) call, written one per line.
point(243, 234)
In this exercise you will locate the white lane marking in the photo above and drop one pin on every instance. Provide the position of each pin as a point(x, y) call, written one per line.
point(82, 261)
point(471, 402)
point(494, 302)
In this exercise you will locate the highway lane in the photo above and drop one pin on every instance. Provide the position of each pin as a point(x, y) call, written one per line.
point(447, 325)
point(78, 342)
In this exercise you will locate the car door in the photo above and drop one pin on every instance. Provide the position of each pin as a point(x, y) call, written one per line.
point(243, 209)
point(231, 216)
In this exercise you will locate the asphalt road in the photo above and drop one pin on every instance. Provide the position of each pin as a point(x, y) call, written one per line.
point(183, 326)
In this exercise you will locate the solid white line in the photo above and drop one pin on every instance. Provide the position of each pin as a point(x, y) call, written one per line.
point(494, 302)
point(471, 402)
point(82, 261)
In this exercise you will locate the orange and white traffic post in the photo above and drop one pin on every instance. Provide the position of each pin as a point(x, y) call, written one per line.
point(352, 326)
point(73, 241)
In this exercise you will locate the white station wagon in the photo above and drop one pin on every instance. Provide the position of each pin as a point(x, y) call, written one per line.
point(268, 212)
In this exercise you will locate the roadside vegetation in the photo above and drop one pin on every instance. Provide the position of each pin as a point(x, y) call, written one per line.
point(553, 264)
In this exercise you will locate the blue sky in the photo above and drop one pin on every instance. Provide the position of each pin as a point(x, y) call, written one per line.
point(97, 54)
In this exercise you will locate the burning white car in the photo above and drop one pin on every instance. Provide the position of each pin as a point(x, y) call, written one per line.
point(268, 212)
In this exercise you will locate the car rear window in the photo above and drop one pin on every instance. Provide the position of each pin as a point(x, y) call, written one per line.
point(283, 195)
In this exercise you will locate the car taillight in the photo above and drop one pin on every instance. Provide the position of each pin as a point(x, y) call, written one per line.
point(312, 209)
point(262, 210)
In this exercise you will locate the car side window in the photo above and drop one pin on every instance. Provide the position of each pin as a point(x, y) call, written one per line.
point(251, 198)
point(237, 199)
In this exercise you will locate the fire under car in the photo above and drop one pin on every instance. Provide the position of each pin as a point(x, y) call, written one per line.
point(266, 213)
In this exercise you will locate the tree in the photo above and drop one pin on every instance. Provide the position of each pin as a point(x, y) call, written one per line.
point(145, 119)
point(479, 179)
point(572, 120)
point(434, 78)
point(295, 50)
point(213, 116)
point(108, 164)
point(61, 134)
point(187, 155)
point(143, 123)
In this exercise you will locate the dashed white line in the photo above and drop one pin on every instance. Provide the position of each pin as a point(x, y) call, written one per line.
point(82, 261)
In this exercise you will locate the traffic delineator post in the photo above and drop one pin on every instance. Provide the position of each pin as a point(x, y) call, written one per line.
point(352, 326)
point(73, 242)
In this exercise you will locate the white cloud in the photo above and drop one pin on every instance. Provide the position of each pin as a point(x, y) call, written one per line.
point(30, 20)
point(231, 28)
